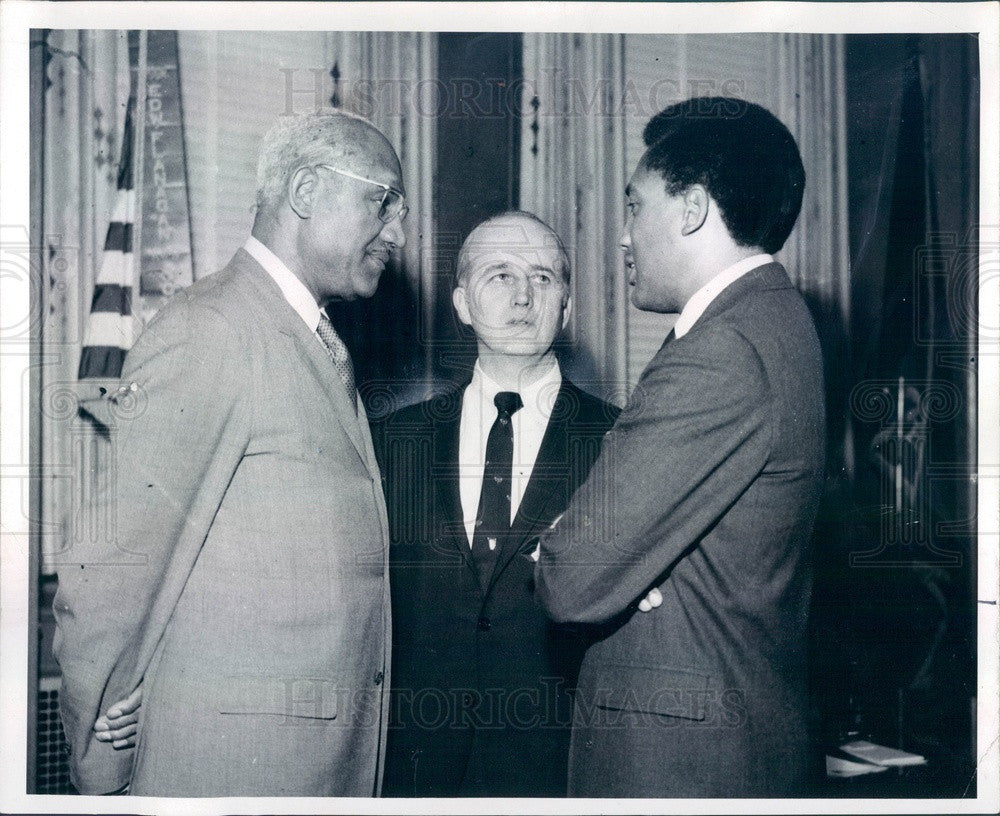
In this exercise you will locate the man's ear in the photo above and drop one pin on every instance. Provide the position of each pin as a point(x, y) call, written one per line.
point(567, 310)
point(696, 203)
point(303, 188)
point(461, 304)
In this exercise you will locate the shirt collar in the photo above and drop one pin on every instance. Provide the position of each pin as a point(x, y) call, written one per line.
point(291, 287)
point(539, 395)
point(701, 299)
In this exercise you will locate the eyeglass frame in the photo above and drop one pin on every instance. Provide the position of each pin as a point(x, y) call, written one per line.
point(386, 189)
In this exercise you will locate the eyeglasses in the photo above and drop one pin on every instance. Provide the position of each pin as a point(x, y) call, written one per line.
point(393, 203)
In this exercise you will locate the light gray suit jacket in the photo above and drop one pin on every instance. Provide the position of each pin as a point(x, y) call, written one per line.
point(707, 488)
point(246, 586)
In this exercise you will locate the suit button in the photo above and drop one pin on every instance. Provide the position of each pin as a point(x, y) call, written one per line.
point(484, 624)
point(467, 699)
point(588, 744)
point(379, 677)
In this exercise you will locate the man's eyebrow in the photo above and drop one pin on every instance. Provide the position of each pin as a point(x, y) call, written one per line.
point(541, 268)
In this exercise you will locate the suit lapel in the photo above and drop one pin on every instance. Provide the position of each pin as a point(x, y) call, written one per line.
point(311, 352)
point(445, 481)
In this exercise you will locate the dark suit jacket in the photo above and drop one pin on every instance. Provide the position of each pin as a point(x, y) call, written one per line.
point(717, 465)
point(480, 680)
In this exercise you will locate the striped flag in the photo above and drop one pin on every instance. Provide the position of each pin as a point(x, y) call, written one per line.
point(110, 328)
point(147, 252)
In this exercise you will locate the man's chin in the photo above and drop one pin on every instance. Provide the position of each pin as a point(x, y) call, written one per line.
point(367, 281)
point(524, 348)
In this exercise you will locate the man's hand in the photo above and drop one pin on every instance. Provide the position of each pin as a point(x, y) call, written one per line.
point(118, 725)
point(652, 600)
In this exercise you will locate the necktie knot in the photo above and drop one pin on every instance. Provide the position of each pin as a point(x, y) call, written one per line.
point(508, 403)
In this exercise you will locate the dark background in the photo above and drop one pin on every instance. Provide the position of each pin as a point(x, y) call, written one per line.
point(893, 656)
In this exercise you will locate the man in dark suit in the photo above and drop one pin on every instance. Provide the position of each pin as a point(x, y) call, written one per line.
point(247, 591)
point(481, 677)
point(716, 464)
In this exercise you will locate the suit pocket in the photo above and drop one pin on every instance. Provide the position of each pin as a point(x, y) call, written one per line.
point(311, 698)
point(666, 691)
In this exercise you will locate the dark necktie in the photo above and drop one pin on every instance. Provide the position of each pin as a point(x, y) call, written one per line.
point(340, 355)
point(493, 518)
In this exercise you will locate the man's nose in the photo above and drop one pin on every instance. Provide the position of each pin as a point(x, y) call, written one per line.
point(523, 293)
point(626, 240)
point(393, 233)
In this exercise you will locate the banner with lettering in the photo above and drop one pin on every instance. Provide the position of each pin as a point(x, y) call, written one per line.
point(166, 262)
point(147, 250)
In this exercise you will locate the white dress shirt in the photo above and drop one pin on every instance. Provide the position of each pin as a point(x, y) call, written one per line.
point(701, 299)
point(528, 424)
point(291, 287)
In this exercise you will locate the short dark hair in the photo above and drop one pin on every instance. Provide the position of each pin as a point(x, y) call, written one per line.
point(742, 154)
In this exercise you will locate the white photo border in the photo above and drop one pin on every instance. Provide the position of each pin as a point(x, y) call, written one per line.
point(18, 17)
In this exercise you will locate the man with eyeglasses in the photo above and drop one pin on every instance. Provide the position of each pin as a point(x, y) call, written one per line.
point(244, 597)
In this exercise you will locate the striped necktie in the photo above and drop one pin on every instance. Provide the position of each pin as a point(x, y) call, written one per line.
point(493, 517)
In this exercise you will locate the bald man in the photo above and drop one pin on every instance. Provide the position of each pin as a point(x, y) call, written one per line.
point(246, 590)
point(481, 677)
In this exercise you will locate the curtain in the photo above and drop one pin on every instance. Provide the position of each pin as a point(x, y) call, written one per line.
point(573, 177)
point(807, 74)
point(915, 333)
point(586, 101)
point(950, 325)
point(389, 77)
point(914, 398)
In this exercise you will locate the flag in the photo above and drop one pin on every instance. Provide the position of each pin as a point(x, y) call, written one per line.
point(147, 251)
point(110, 327)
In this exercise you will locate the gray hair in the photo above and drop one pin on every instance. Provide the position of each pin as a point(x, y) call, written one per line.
point(295, 141)
point(462, 265)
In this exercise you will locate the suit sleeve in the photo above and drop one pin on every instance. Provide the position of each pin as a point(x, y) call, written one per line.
point(692, 438)
point(180, 430)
